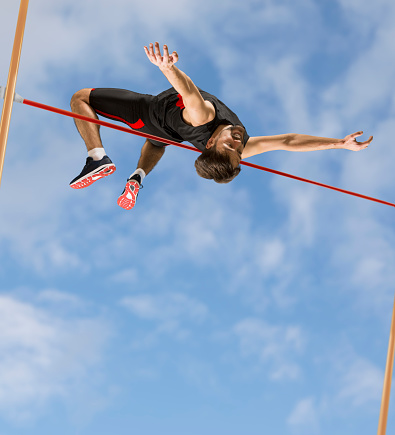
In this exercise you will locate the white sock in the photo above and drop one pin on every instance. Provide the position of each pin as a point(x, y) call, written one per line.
point(97, 153)
point(140, 172)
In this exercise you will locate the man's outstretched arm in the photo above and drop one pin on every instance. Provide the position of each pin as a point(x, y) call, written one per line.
point(199, 111)
point(301, 142)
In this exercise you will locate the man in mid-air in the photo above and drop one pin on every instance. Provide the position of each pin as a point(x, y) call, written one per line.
point(181, 113)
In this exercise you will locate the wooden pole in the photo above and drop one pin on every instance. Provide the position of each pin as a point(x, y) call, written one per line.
point(11, 82)
point(385, 400)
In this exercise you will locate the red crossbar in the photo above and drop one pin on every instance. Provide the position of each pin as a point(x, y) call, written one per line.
point(181, 145)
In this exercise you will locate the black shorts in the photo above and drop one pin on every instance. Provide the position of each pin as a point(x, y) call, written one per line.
point(126, 106)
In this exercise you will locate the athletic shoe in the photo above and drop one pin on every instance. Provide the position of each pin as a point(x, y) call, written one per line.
point(127, 200)
point(93, 171)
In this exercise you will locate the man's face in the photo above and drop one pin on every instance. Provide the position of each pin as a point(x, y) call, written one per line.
point(230, 141)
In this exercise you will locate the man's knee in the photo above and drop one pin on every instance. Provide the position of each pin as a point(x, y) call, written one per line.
point(148, 145)
point(80, 97)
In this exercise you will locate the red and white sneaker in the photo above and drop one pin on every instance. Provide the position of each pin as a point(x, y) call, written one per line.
point(93, 170)
point(127, 200)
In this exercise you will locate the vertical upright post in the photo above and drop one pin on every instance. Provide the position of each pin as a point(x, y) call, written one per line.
point(11, 82)
point(385, 401)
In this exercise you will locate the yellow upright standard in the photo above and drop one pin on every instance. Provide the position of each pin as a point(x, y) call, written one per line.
point(385, 401)
point(11, 82)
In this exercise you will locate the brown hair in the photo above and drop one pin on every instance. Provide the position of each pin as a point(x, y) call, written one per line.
point(216, 166)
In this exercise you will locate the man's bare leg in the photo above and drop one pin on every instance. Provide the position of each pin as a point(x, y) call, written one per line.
point(89, 132)
point(150, 156)
point(99, 165)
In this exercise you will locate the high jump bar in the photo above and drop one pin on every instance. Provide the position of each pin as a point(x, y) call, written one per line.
point(22, 100)
point(11, 81)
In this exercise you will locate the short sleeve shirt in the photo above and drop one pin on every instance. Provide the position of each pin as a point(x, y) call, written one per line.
point(166, 113)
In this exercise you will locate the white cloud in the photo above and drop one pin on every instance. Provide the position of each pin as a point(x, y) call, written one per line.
point(171, 306)
point(302, 203)
point(347, 386)
point(58, 297)
point(271, 255)
point(171, 315)
point(275, 346)
point(363, 90)
point(378, 13)
point(129, 276)
point(44, 357)
point(292, 91)
point(363, 261)
point(200, 374)
point(33, 219)
point(361, 383)
point(304, 417)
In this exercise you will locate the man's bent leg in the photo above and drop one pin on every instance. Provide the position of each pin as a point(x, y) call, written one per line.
point(150, 156)
point(98, 164)
point(89, 132)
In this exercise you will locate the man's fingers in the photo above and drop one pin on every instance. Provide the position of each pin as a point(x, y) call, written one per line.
point(358, 133)
point(165, 53)
point(157, 50)
point(149, 54)
point(151, 51)
point(367, 142)
point(154, 54)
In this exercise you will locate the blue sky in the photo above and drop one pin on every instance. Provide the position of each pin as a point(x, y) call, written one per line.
point(258, 307)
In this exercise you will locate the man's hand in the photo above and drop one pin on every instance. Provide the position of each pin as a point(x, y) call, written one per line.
point(163, 62)
point(197, 111)
point(350, 143)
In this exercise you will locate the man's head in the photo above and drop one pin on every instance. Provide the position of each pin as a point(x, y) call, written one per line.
point(220, 161)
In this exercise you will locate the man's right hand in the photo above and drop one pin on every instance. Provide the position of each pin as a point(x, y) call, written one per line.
point(197, 111)
point(350, 142)
point(162, 62)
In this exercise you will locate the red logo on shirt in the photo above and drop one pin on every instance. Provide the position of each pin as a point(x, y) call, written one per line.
point(180, 103)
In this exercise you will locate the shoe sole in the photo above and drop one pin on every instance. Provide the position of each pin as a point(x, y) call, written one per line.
point(97, 174)
point(128, 198)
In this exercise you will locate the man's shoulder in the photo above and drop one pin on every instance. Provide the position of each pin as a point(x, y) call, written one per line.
point(167, 93)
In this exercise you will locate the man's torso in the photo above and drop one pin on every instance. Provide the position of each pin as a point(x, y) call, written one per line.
point(168, 111)
point(161, 115)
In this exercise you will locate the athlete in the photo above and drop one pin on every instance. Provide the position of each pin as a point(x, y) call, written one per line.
point(181, 113)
